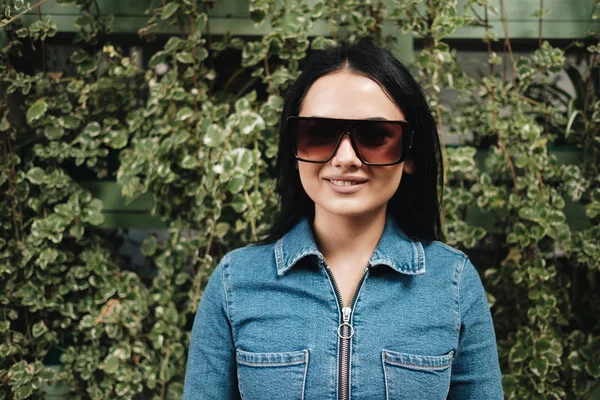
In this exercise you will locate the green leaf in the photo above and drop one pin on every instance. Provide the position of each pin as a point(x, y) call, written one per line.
point(593, 368)
point(553, 358)
point(173, 44)
point(87, 67)
point(23, 392)
point(221, 229)
point(320, 43)
point(79, 56)
point(36, 175)
point(38, 329)
point(181, 137)
point(122, 388)
point(518, 354)
point(36, 110)
point(118, 139)
point(149, 246)
point(214, 136)
point(189, 162)
point(77, 231)
point(158, 58)
point(200, 22)
point(542, 345)
point(185, 58)
point(239, 203)
point(54, 132)
point(185, 113)
point(539, 366)
point(4, 125)
point(111, 364)
point(47, 257)
point(169, 10)
point(236, 184)
point(92, 129)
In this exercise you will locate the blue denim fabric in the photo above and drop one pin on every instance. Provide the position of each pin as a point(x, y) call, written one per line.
point(266, 327)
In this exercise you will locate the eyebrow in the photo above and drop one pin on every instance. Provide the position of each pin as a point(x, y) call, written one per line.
point(371, 118)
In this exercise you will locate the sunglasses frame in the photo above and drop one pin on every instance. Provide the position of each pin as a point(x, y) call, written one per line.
point(406, 129)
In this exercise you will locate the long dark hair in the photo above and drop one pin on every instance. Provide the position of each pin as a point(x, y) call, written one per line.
point(415, 205)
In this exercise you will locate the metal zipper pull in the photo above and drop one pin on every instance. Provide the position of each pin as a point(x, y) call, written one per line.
point(346, 316)
point(346, 313)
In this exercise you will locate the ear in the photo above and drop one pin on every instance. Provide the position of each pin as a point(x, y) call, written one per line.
point(409, 166)
point(296, 164)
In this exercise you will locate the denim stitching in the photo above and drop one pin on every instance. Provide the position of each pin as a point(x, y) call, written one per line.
point(228, 302)
point(239, 382)
point(279, 256)
point(416, 366)
point(337, 367)
point(417, 256)
point(271, 363)
point(420, 256)
point(425, 367)
point(297, 357)
point(387, 392)
point(458, 297)
point(305, 373)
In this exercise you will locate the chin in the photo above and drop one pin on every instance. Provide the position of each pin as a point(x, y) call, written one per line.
point(348, 210)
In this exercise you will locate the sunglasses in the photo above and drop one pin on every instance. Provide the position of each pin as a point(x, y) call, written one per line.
point(375, 142)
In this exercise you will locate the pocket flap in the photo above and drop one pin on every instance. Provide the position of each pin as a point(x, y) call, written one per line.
point(271, 359)
point(417, 361)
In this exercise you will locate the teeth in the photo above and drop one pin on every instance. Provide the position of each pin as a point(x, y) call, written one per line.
point(343, 183)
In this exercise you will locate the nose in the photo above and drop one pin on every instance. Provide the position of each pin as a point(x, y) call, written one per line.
point(345, 155)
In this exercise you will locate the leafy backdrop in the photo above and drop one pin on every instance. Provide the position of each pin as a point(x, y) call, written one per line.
point(199, 134)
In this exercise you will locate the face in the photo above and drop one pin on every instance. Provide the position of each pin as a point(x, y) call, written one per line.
point(343, 94)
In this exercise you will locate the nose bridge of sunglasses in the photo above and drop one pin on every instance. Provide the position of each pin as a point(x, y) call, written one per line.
point(345, 144)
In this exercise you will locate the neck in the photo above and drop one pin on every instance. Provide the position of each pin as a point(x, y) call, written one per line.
point(347, 237)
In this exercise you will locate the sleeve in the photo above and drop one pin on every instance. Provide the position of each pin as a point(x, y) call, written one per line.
point(211, 366)
point(475, 370)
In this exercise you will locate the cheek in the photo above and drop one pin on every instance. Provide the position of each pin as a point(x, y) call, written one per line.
point(309, 175)
point(389, 181)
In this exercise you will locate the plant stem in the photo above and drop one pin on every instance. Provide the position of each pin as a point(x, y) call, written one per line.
point(19, 15)
point(489, 45)
point(540, 23)
point(44, 65)
point(507, 43)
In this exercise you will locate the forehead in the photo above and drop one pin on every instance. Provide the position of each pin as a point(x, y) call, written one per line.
point(343, 94)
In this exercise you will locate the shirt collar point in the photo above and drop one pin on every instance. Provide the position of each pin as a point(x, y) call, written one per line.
point(394, 249)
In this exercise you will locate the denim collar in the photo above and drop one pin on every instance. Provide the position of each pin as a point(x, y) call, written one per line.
point(394, 249)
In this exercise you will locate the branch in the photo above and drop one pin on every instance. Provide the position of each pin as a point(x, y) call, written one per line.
point(8, 21)
point(507, 42)
point(501, 144)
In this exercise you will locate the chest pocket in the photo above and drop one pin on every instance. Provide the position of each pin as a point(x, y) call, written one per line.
point(410, 376)
point(272, 375)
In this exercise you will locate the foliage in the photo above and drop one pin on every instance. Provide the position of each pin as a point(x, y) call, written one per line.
point(203, 143)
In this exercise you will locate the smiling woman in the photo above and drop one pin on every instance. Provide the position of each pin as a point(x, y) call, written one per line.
point(353, 294)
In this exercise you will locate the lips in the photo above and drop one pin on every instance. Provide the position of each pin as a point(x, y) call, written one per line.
point(345, 184)
point(346, 180)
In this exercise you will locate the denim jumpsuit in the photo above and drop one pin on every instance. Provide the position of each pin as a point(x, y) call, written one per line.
point(271, 325)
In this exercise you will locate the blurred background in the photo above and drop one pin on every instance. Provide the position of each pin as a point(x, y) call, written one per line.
point(138, 147)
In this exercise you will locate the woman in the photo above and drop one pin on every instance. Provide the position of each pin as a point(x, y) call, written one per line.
point(351, 296)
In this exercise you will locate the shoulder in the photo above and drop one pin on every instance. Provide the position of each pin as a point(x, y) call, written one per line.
point(249, 260)
point(442, 258)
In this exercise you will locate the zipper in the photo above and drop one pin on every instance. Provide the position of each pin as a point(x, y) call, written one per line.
point(345, 332)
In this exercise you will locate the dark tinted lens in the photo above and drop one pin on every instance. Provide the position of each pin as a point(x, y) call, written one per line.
point(379, 142)
point(315, 138)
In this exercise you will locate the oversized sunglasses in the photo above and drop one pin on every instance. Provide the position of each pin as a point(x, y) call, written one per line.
point(375, 142)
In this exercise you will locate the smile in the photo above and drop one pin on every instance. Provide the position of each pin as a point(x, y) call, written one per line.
point(344, 183)
point(346, 186)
